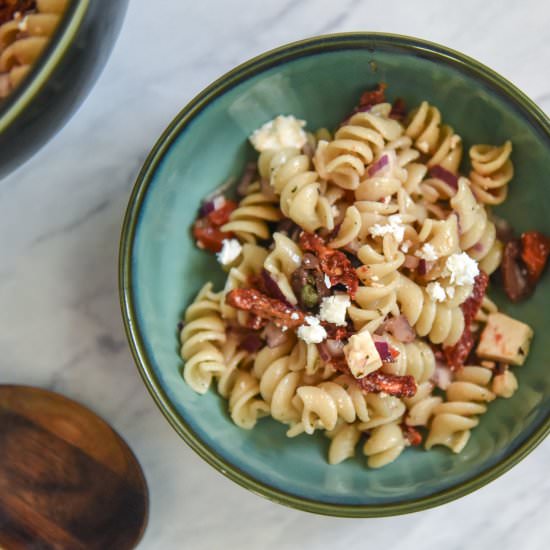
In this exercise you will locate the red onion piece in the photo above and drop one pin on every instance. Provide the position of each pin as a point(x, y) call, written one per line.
point(331, 349)
point(323, 352)
point(383, 349)
point(444, 175)
point(251, 342)
point(246, 179)
point(335, 347)
point(400, 329)
point(266, 189)
point(207, 207)
point(378, 165)
point(272, 288)
point(422, 267)
point(442, 376)
point(411, 262)
point(275, 336)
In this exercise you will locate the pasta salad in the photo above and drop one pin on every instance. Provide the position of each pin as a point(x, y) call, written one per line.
point(357, 267)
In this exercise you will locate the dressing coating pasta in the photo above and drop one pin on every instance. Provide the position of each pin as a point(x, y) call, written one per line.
point(357, 266)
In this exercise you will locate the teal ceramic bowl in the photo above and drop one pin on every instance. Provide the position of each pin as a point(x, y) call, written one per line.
point(60, 80)
point(160, 270)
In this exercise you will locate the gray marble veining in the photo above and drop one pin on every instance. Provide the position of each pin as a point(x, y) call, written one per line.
point(60, 218)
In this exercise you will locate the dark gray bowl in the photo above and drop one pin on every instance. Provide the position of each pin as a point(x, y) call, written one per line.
point(60, 80)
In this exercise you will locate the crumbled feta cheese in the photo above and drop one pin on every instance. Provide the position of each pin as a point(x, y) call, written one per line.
point(231, 250)
point(395, 227)
point(333, 309)
point(375, 278)
point(361, 354)
point(328, 284)
point(313, 332)
point(462, 269)
point(436, 292)
point(282, 131)
point(427, 252)
point(450, 290)
point(284, 328)
point(405, 246)
point(504, 339)
point(294, 316)
point(218, 202)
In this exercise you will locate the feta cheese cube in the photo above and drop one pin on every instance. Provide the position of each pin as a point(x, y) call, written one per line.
point(312, 332)
point(333, 309)
point(505, 339)
point(361, 354)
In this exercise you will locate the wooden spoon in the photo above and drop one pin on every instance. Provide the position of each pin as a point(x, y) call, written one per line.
point(67, 480)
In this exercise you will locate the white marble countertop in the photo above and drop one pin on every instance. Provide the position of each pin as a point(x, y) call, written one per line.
point(60, 218)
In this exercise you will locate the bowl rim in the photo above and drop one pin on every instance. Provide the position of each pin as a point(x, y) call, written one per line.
point(63, 37)
point(301, 48)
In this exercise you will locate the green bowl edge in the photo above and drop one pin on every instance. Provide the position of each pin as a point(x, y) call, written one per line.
point(46, 65)
point(131, 218)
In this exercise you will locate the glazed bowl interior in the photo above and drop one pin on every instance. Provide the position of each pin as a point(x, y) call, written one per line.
point(161, 270)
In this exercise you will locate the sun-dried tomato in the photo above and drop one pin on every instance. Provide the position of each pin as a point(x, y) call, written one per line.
point(264, 307)
point(377, 382)
point(208, 236)
point(471, 305)
point(334, 263)
point(398, 109)
point(336, 332)
point(221, 215)
point(413, 436)
point(535, 248)
point(456, 355)
point(373, 97)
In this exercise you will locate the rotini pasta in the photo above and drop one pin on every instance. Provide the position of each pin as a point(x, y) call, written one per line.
point(357, 269)
point(491, 172)
point(24, 38)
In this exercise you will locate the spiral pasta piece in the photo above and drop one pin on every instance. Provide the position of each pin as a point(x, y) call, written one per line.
point(250, 264)
point(382, 409)
point(384, 445)
point(249, 221)
point(421, 407)
point(23, 40)
point(377, 297)
point(323, 405)
point(201, 337)
point(491, 172)
point(439, 142)
point(281, 262)
point(344, 440)
point(344, 159)
point(478, 232)
point(454, 419)
point(441, 323)
point(298, 187)
point(415, 358)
